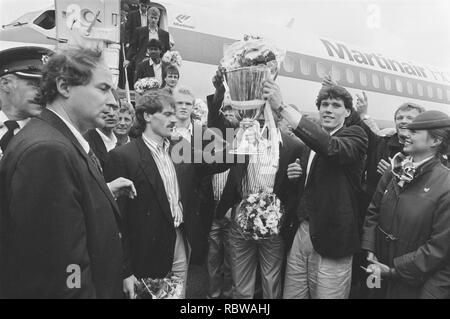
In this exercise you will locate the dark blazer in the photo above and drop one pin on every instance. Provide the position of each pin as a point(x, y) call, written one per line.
point(97, 146)
point(149, 232)
point(144, 70)
point(56, 211)
point(133, 22)
point(138, 45)
point(330, 199)
point(418, 218)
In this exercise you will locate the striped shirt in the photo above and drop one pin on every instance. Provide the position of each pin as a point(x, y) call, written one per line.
point(169, 176)
point(218, 181)
point(261, 172)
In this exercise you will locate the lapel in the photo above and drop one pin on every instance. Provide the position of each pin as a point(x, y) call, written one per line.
point(282, 164)
point(316, 159)
point(100, 147)
point(153, 175)
point(58, 124)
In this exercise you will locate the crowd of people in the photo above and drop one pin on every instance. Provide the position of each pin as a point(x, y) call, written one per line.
point(94, 199)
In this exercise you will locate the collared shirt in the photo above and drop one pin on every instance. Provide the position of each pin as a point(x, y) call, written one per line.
point(261, 172)
point(168, 174)
point(185, 132)
point(312, 154)
point(153, 34)
point(218, 182)
point(4, 129)
point(157, 68)
point(84, 144)
point(110, 143)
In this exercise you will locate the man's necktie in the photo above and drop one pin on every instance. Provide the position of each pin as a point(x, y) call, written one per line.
point(95, 161)
point(4, 141)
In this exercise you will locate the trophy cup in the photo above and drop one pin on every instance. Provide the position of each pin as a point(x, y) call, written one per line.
point(248, 63)
point(245, 89)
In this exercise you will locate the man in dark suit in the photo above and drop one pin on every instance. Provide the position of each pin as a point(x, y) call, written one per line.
point(242, 181)
point(152, 67)
point(163, 220)
point(136, 19)
point(58, 217)
point(102, 140)
point(320, 261)
point(20, 72)
point(142, 35)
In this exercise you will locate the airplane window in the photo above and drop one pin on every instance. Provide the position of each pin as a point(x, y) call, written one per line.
point(336, 73)
point(46, 20)
point(440, 93)
point(288, 64)
point(409, 87)
point(321, 70)
point(430, 91)
point(363, 78)
point(376, 81)
point(387, 83)
point(420, 89)
point(399, 85)
point(305, 67)
point(350, 76)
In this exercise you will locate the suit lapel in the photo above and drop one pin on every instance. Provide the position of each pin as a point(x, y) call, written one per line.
point(282, 165)
point(57, 123)
point(101, 148)
point(150, 169)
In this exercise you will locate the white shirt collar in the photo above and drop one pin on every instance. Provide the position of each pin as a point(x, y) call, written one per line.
point(110, 143)
point(335, 130)
point(152, 144)
point(84, 144)
point(150, 60)
point(4, 118)
point(186, 132)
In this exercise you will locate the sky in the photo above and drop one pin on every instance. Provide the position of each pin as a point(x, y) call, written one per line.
point(413, 29)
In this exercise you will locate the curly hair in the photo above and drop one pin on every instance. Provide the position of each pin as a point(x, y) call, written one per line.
point(151, 103)
point(74, 66)
point(335, 92)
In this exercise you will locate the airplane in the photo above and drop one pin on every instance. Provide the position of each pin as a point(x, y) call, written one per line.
point(201, 34)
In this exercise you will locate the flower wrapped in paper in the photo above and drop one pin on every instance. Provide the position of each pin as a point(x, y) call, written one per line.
point(170, 287)
point(248, 63)
point(173, 57)
point(260, 215)
point(145, 84)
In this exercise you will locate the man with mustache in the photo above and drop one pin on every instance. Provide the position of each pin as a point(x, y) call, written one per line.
point(20, 72)
point(162, 222)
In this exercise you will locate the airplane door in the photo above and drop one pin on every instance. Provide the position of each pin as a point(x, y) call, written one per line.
point(90, 24)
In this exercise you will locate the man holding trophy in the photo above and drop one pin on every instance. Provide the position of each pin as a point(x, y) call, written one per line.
point(261, 195)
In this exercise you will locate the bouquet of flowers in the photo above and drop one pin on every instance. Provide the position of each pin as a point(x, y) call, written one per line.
point(173, 57)
point(165, 288)
point(146, 84)
point(260, 215)
point(253, 51)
